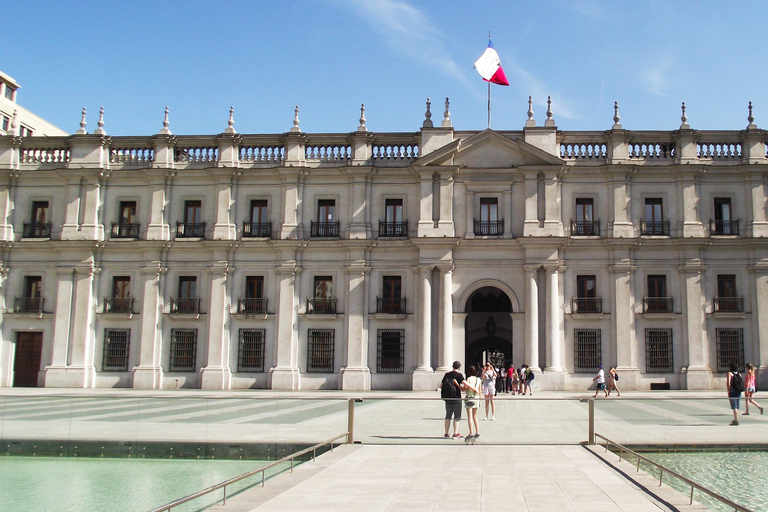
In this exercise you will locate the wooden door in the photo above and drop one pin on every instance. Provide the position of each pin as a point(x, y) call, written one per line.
point(26, 365)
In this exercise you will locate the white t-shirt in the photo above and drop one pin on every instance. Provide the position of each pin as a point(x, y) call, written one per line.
point(601, 377)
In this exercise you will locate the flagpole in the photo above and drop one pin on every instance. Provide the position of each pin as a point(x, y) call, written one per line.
point(489, 105)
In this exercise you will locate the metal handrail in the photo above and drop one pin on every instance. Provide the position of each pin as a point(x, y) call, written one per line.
point(663, 469)
point(262, 470)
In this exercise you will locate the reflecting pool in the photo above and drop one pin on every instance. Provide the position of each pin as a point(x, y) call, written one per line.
point(42, 484)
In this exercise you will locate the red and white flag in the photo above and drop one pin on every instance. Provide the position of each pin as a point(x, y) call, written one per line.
point(489, 66)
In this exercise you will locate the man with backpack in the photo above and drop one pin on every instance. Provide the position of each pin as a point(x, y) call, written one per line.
point(450, 392)
point(734, 383)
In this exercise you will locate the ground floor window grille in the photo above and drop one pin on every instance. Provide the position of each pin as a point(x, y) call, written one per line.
point(320, 351)
point(391, 351)
point(183, 350)
point(588, 354)
point(250, 356)
point(116, 343)
point(658, 351)
point(730, 348)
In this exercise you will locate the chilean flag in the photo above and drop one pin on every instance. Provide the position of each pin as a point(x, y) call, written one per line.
point(489, 66)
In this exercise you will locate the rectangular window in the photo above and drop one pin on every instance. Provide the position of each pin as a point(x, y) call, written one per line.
point(394, 210)
point(326, 210)
point(658, 351)
point(39, 212)
point(657, 300)
point(730, 349)
point(585, 223)
point(657, 286)
point(584, 210)
point(259, 211)
point(391, 300)
point(587, 300)
point(654, 223)
point(187, 287)
point(320, 351)
point(9, 92)
point(653, 211)
point(183, 350)
point(187, 301)
point(393, 224)
point(6, 123)
point(33, 287)
point(127, 212)
point(724, 224)
point(254, 287)
point(727, 300)
point(32, 301)
point(323, 287)
point(323, 301)
point(121, 287)
point(193, 212)
point(391, 350)
point(588, 355)
point(250, 357)
point(116, 343)
point(489, 209)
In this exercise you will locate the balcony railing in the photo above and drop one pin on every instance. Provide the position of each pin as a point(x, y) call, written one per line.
point(190, 229)
point(324, 229)
point(319, 306)
point(251, 306)
point(257, 229)
point(654, 227)
point(125, 230)
point(393, 229)
point(586, 305)
point(657, 304)
point(729, 304)
point(118, 304)
point(390, 305)
point(37, 230)
point(724, 227)
point(185, 305)
point(585, 228)
point(489, 227)
point(28, 305)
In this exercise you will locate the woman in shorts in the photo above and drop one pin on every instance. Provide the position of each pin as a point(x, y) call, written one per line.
point(750, 386)
point(473, 385)
point(489, 390)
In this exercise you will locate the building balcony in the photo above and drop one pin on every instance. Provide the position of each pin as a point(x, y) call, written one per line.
point(393, 229)
point(252, 306)
point(390, 305)
point(324, 229)
point(257, 230)
point(28, 305)
point(654, 228)
point(581, 305)
point(657, 304)
point(489, 227)
point(724, 227)
point(728, 304)
point(118, 304)
point(37, 230)
point(185, 305)
point(321, 306)
point(585, 228)
point(190, 229)
point(125, 230)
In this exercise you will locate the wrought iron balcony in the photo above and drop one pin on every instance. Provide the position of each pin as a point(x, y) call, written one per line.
point(654, 228)
point(185, 305)
point(657, 304)
point(724, 227)
point(390, 305)
point(251, 306)
point(257, 230)
point(393, 229)
point(37, 230)
point(125, 230)
point(729, 304)
point(190, 229)
point(585, 228)
point(324, 229)
point(489, 227)
point(321, 306)
point(118, 304)
point(28, 305)
point(586, 305)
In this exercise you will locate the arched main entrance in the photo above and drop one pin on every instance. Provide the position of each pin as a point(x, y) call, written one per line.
point(488, 328)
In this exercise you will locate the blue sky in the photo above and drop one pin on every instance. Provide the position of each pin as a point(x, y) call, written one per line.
point(329, 56)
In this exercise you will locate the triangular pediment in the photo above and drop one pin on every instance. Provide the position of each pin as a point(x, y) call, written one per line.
point(488, 150)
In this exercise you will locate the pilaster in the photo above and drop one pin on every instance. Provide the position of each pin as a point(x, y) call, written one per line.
point(698, 374)
point(623, 318)
point(286, 374)
point(224, 228)
point(423, 375)
point(356, 375)
point(149, 373)
point(445, 224)
point(445, 315)
point(217, 373)
point(532, 317)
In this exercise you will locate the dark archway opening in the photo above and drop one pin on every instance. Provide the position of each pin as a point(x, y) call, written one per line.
point(488, 328)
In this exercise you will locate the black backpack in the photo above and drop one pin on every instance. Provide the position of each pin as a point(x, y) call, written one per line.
point(737, 382)
point(529, 374)
point(448, 389)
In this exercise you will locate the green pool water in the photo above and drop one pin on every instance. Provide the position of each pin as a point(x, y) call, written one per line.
point(738, 476)
point(33, 484)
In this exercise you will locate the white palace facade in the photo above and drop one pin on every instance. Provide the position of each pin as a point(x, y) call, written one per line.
point(366, 260)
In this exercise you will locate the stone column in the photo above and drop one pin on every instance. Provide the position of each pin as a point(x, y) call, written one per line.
point(445, 353)
point(5, 378)
point(532, 319)
point(217, 374)
point(356, 375)
point(554, 342)
point(623, 320)
point(61, 326)
point(286, 374)
point(698, 374)
point(149, 373)
point(423, 376)
point(760, 313)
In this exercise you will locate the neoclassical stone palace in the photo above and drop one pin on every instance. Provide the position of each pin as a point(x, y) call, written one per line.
point(369, 260)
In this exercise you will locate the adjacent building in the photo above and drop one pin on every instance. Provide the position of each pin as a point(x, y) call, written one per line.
point(15, 119)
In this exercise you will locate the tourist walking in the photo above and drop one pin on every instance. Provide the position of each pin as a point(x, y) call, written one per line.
point(613, 378)
point(473, 386)
point(501, 381)
point(600, 379)
point(450, 392)
point(528, 378)
point(734, 383)
point(750, 386)
point(510, 379)
point(489, 390)
point(521, 384)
